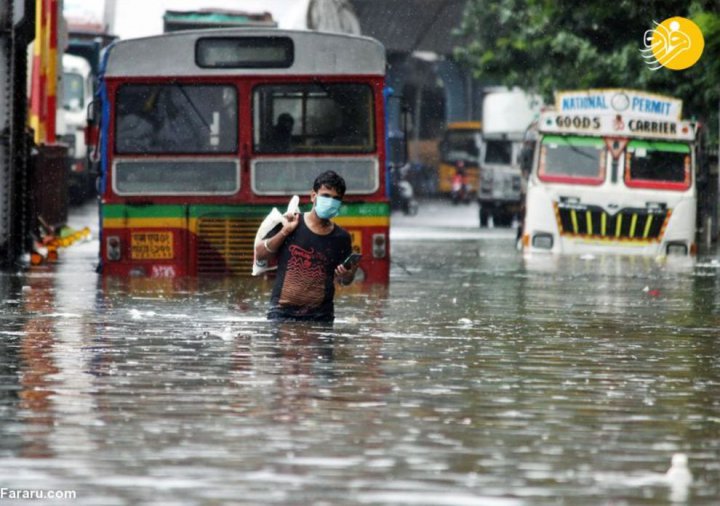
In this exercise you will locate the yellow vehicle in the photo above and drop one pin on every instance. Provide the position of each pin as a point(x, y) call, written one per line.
point(460, 147)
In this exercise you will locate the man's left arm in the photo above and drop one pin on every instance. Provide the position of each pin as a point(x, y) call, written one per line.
point(345, 276)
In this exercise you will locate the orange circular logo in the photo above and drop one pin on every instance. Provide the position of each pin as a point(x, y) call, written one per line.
point(677, 43)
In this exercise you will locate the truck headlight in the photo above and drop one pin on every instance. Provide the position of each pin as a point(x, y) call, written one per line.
point(542, 240)
point(676, 248)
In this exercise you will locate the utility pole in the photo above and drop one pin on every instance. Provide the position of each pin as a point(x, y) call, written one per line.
point(16, 32)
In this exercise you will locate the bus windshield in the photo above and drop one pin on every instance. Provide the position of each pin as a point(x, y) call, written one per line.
point(73, 93)
point(648, 164)
point(460, 145)
point(578, 160)
point(176, 118)
point(313, 118)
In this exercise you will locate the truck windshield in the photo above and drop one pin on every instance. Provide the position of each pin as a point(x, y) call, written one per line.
point(73, 96)
point(498, 152)
point(657, 164)
point(575, 160)
point(313, 118)
point(460, 145)
point(175, 118)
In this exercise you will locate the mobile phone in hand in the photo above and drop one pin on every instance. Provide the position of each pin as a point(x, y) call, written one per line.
point(352, 260)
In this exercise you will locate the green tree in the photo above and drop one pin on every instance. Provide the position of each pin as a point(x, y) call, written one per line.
point(544, 46)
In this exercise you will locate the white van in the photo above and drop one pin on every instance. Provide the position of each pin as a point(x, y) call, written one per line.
point(507, 114)
point(76, 94)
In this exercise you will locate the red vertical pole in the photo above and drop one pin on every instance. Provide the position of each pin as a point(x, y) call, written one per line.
point(52, 69)
point(37, 84)
point(43, 90)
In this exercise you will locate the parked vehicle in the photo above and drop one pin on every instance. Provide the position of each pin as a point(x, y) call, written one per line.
point(402, 194)
point(461, 146)
point(488, 155)
point(460, 191)
point(507, 114)
point(614, 171)
point(77, 93)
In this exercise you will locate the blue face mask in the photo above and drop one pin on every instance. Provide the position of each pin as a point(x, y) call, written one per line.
point(327, 207)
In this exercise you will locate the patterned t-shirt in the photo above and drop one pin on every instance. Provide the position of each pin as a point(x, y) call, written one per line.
point(304, 287)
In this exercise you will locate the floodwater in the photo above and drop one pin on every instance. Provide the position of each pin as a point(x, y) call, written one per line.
point(477, 377)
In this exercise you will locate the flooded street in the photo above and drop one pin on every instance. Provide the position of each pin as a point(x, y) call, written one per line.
point(477, 377)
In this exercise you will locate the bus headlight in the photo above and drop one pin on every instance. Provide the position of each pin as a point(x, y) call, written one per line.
point(542, 240)
point(676, 248)
point(112, 248)
point(379, 246)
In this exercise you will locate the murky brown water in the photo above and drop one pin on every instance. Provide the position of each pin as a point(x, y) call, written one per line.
point(476, 377)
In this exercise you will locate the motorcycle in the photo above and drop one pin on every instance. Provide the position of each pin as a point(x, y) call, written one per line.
point(459, 191)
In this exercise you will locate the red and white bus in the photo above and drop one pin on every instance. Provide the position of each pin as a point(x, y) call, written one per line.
point(189, 154)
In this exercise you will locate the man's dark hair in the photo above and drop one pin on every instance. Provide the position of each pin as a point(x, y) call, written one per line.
point(332, 180)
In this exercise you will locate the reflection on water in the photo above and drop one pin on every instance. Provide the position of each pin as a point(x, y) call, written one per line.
point(477, 377)
point(37, 366)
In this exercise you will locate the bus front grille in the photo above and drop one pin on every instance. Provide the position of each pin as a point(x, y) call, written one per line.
point(639, 224)
point(225, 245)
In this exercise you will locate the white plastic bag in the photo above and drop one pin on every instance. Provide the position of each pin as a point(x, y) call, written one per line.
point(269, 223)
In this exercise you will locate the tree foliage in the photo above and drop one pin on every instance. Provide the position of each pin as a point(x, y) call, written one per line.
point(544, 46)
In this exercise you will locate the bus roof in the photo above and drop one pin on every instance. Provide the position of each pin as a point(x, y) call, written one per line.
point(215, 18)
point(174, 54)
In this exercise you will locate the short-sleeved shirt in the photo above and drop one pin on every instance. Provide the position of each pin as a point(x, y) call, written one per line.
point(305, 283)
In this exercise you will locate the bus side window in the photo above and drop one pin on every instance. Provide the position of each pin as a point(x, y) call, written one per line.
point(326, 118)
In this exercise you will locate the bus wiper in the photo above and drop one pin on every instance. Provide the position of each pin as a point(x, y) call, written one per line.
point(323, 86)
point(192, 104)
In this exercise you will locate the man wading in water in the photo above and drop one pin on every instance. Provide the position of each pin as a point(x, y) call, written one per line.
point(310, 251)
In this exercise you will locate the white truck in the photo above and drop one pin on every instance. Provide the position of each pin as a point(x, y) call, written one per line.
point(615, 171)
point(77, 93)
point(506, 116)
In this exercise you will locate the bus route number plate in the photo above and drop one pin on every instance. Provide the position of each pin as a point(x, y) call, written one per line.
point(151, 245)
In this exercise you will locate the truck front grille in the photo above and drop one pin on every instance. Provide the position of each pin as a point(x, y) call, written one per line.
point(629, 223)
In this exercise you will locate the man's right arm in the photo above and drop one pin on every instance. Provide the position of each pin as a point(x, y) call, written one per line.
point(268, 248)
